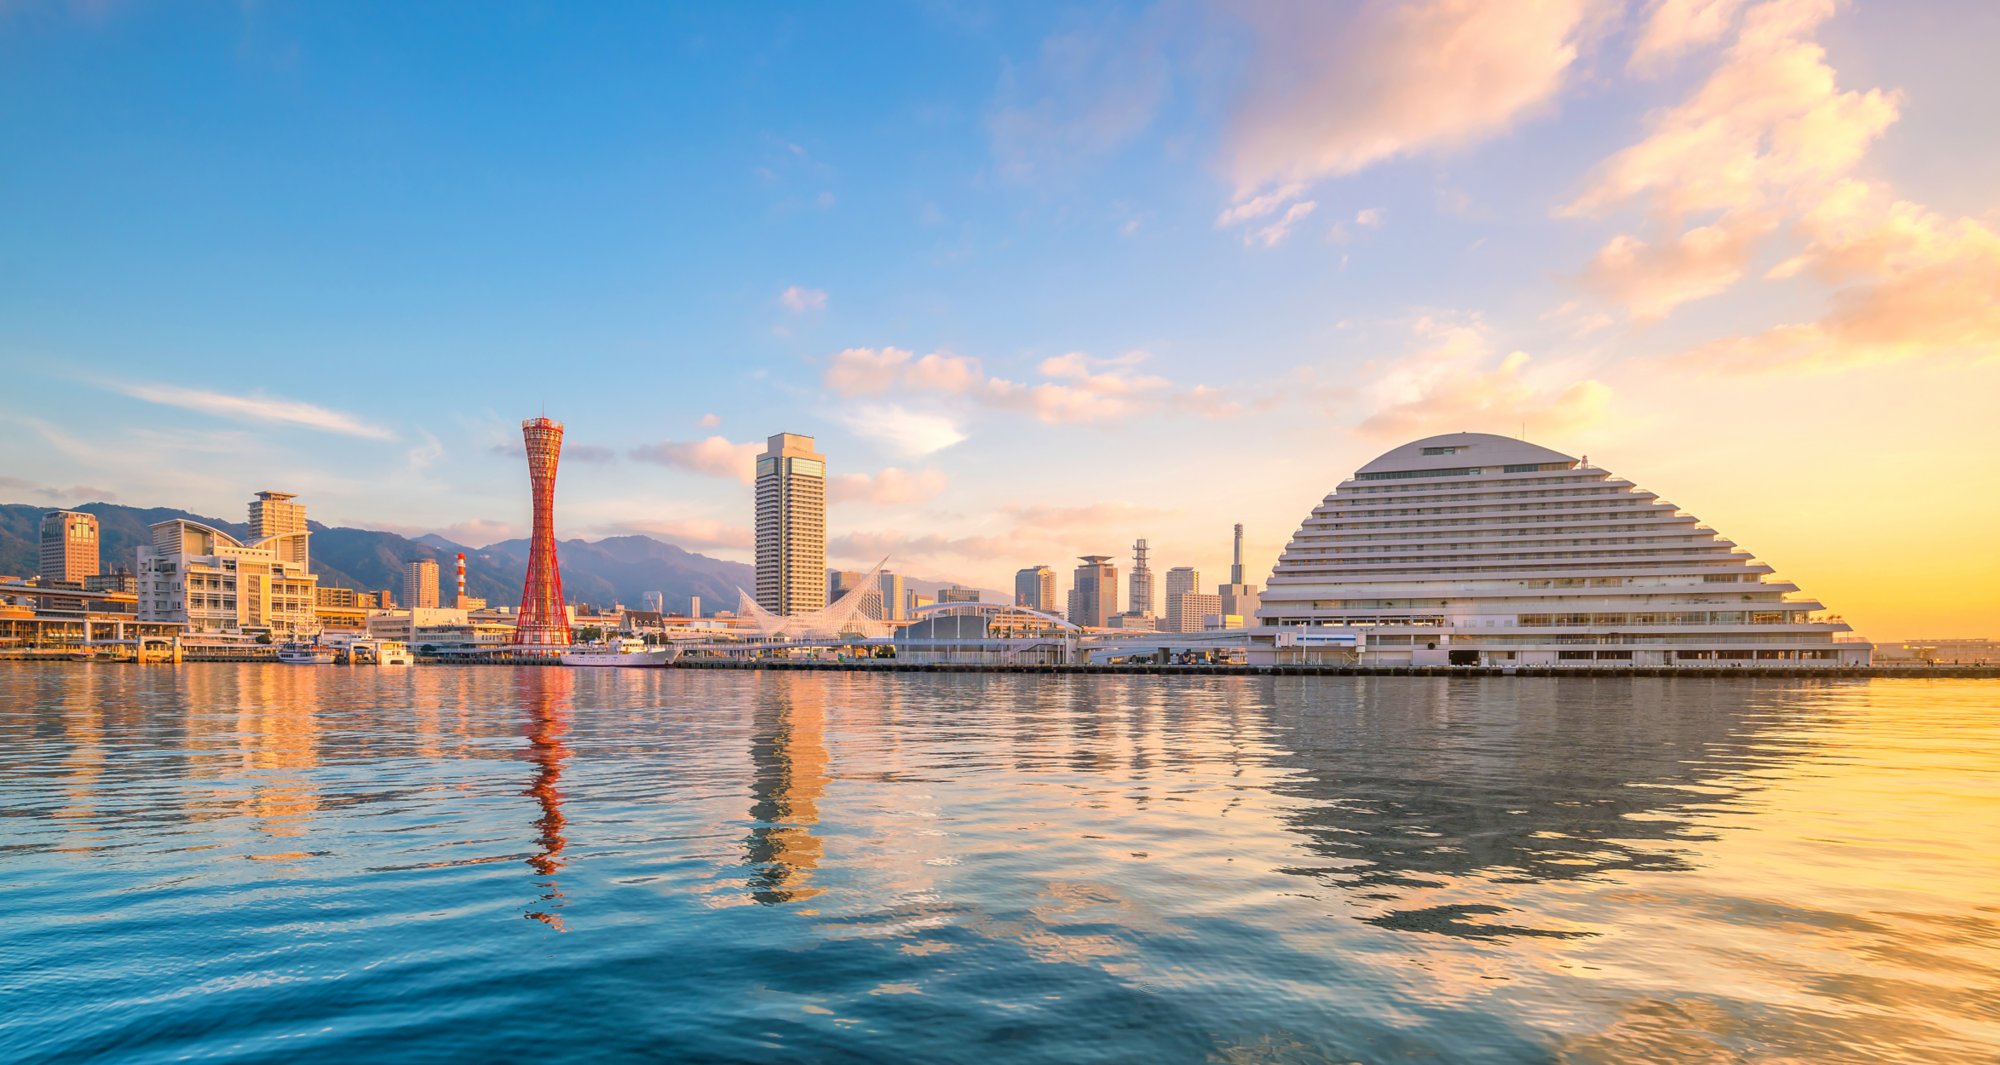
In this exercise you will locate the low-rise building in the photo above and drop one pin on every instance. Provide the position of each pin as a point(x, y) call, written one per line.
point(214, 585)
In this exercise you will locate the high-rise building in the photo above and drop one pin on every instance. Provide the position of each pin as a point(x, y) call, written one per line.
point(211, 583)
point(957, 593)
point(791, 526)
point(1238, 598)
point(893, 607)
point(842, 581)
point(542, 622)
point(1139, 594)
point(1185, 610)
point(1182, 580)
point(274, 514)
point(1093, 594)
point(1035, 588)
point(420, 583)
point(69, 546)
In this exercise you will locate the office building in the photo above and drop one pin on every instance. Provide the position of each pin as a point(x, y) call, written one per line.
point(1186, 610)
point(791, 526)
point(1035, 588)
point(957, 593)
point(1473, 549)
point(892, 607)
point(842, 581)
point(213, 584)
point(69, 546)
point(1093, 595)
point(1182, 580)
point(420, 583)
point(274, 515)
point(1238, 597)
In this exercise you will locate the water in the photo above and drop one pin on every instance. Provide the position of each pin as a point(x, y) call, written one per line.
point(255, 863)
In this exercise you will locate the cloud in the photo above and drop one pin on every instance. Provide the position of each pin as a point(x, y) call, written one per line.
point(715, 456)
point(1269, 236)
point(1770, 123)
point(891, 487)
point(1090, 516)
point(900, 429)
point(1650, 280)
point(709, 421)
point(1454, 383)
point(478, 532)
point(1339, 87)
point(1258, 206)
point(257, 408)
point(903, 548)
point(688, 532)
point(800, 300)
point(1912, 284)
point(79, 492)
point(593, 454)
point(1075, 388)
point(1674, 26)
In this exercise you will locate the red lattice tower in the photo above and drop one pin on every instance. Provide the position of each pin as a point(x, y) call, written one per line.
point(542, 620)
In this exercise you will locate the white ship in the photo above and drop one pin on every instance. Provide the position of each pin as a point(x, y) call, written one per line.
point(305, 654)
point(627, 653)
point(393, 653)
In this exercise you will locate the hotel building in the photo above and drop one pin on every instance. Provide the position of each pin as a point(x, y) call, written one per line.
point(1093, 594)
point(1035, 588)
point(791, 526)
point(213, 584)
point(68, 546)
point(1472, 549)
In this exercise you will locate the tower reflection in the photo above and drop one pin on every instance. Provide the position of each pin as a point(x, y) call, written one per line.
point(546, 694)
point(787, 779)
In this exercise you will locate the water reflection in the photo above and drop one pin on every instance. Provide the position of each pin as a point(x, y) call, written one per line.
point(1418, 788)
point(546, 693)
point(788, 776)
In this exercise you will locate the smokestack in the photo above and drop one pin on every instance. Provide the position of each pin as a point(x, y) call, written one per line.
point(460, 604)
point(1236, 566)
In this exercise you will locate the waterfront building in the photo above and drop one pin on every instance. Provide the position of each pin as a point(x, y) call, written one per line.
point(274, 515)
point(1185, 610)
point(1093, 595)
point(1182, 580)
point(1035, 588)
point(420, 583)
point(915, 601)
point(68, 547)
point(1135, 620)
point(214, 585)
point(1139, 583)
point(543, 620)
point(341, 598)
point(957, 593)
point(123, 581)
point(791, 526)
point(1473, 549)
point(891, 607)
point(1238, 596)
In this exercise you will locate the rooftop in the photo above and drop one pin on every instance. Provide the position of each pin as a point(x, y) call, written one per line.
point(1462, 449)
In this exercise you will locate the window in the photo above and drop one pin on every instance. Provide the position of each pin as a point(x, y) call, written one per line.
point(1443, 450)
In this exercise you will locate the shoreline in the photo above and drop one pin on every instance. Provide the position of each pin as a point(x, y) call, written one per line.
point(1942, 672)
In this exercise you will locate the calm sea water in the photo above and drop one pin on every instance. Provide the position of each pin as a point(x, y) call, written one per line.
point(260, 863)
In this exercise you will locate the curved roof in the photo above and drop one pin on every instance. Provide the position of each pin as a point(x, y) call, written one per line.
point(1475, 449)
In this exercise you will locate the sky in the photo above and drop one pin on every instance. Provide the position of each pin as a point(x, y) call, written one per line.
point(1040, 280)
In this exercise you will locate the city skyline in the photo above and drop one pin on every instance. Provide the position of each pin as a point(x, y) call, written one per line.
point(1037, 288)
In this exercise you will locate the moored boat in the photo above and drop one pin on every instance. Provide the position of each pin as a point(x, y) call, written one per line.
point(628, 653)
point(305, 654)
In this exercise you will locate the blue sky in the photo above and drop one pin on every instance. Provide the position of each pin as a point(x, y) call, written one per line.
point(1174, 265)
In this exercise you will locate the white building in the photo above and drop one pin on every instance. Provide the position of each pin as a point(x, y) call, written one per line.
point(1472, 549)
point(1186, 610)
point(212, 584)
point(791, 526)
point(420, 583)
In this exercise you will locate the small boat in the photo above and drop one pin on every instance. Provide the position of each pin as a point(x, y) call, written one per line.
point(393, 653)
point(305, 654)
point(628, 653)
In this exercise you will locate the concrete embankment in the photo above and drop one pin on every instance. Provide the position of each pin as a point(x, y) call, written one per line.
point(892, 666)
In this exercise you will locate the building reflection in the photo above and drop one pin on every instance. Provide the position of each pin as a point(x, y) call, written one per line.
point(546, 695)
point(1424, 795)
point(277, 728)
point(788, 777)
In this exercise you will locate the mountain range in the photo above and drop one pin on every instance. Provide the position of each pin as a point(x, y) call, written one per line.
point(597, 572)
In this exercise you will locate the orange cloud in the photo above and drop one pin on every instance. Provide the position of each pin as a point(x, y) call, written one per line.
point(890, 487)
point(715, 456)
point(1454, 383)
point(1650, 280)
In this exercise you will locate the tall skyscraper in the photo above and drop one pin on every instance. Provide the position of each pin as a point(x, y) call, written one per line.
point(274, 514)
point(542, 621)
point(420, 583)
point(893, 607)
point(1238, 598)
point(1182, 580)
point(1093, 596)
point(1035, 588)
point(842, 581)
point(69, 546)
point(791, 526)
point(1139, 596)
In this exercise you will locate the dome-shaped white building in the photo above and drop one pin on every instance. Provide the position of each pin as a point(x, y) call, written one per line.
point(1473, 549)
